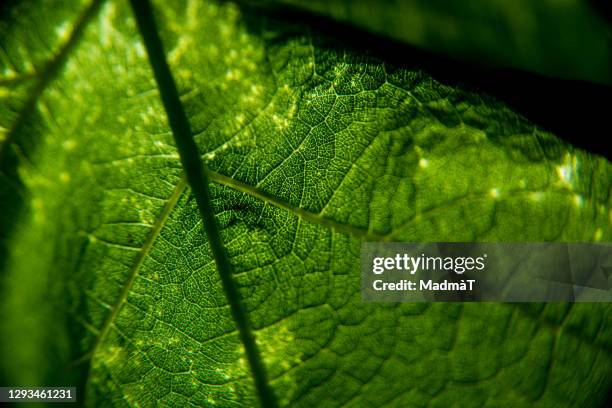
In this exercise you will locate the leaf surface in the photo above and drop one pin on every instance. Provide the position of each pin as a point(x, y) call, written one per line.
point(312, 148)
point(568, 39)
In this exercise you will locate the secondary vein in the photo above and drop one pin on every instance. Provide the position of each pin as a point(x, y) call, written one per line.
point(198, 180)
point(300, 212)
point(146, 248)
point(48, 73)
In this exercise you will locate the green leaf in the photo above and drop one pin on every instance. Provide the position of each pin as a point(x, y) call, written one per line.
point(311, 148)
point(568, 39)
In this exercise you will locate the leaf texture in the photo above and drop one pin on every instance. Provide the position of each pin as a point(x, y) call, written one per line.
point(312, 148)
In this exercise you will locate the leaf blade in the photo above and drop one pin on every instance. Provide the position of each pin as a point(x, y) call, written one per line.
point(298, 278)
